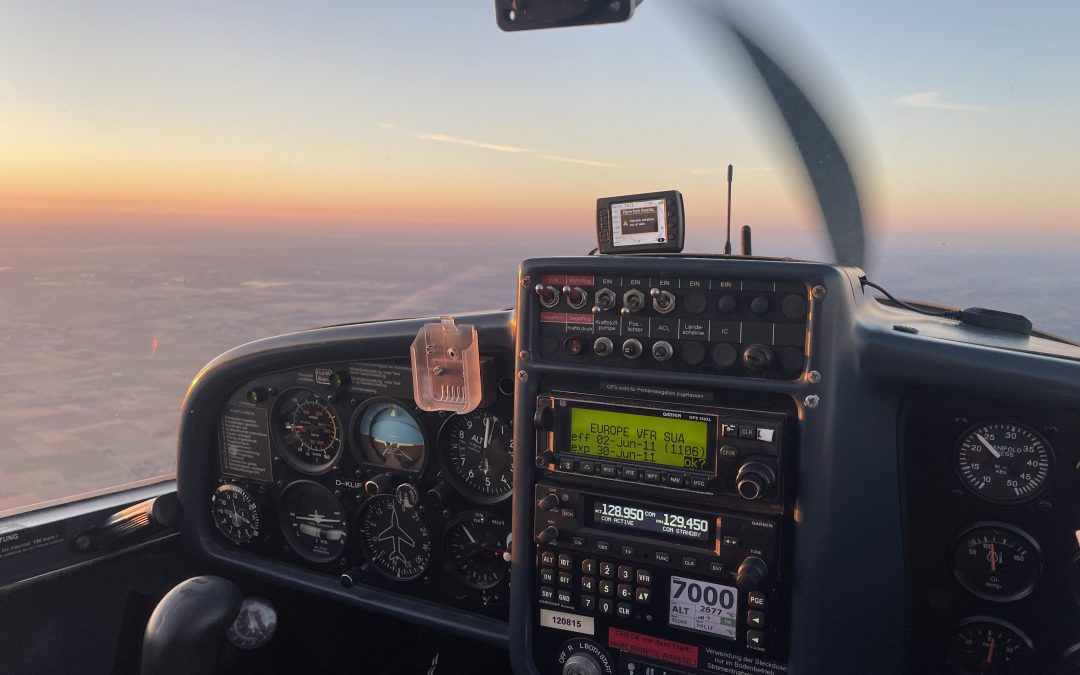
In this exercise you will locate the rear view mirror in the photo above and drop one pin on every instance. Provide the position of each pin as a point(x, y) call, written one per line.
point(532, 14)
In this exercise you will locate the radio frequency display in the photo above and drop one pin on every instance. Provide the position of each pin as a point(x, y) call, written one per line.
point(679, 442)
point(648, 519)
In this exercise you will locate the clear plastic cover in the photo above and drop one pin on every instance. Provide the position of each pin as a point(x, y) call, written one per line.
point(446, 367)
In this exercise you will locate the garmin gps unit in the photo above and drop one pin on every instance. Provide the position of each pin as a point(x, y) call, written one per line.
point(644, 223)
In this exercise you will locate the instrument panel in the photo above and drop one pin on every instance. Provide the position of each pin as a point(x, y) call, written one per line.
point(992, 543)
point(334, 468)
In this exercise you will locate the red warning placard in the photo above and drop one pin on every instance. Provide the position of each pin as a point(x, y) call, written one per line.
point(653, 647)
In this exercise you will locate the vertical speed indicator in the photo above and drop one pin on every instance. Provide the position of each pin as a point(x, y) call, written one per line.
point(1004, 462)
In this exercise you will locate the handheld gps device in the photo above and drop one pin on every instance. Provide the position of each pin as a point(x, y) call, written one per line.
point(645, 223)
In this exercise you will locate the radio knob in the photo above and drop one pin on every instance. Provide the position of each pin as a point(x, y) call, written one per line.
point(544, 418)
point(754, 479)
point(548, 503)
point(377, 485)
point(662, 351)
point(576, 297)
point(633, 301)
point(631, 348)
point(544, 459)
point(752, 571)
point(662, 301)
point(549, 295)
point(603, 300)
point(547, 535)
point(757, 358)
point(440, 493)
point(602, 346)
point(582, 664)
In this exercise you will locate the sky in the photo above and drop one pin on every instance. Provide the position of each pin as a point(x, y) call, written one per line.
point(956, 116)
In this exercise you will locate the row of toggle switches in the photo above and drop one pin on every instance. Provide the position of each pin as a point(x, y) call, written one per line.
point(633, 300)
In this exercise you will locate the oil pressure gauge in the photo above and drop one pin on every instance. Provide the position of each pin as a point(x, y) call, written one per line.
point(1004, 462)
point(997, 562)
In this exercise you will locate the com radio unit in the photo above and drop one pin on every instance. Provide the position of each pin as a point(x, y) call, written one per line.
point(690, 448)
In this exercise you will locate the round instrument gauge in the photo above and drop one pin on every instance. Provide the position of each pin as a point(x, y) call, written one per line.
point(997, 562)
point(396, 541)
point(986, 645)
point(308, 430)
point(389, 436)
point(254, 625)
point(235, 513)
point(313, 521)
point(1004, 462)
point(475, 542)
point(477, 453)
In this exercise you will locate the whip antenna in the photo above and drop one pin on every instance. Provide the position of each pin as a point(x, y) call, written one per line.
point(727, 244)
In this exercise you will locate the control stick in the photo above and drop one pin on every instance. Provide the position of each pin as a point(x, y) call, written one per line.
point(188, 627)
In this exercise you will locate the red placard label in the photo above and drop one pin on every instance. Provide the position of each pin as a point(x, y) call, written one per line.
point(553, 317)
point(579, 318)
point(653, 647)
point(567, 280)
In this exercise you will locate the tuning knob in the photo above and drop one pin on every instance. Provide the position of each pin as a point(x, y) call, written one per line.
point(754, 479)
point(548, 503)
point(757, 358)
point(547, 535)
point(576, 297)
point(407, 495)
point(440, 493)
point(377, 484)
point(549, 295)
point(544, 459)
point(752, 571)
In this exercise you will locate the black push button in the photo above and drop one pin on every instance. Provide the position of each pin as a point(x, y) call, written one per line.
point(643, 596)
point(547, 558)
point(565, 597)
point(547, 576)
point(625, 591)
point(607, 570)
point(724, 355)
point(578, 542)
point(759, 305)
point(689, 562)
point(794, 307)
point(756, 599)
point(651, 476)
point(755, 639)
point(755, 619)
point(606, 605)
point(624, 610)
point(733, 542)
point(628, 473)
point(692, 353)
point(662, 557)
point(626, 573)
point(695, 302)
point(675, 480)
point(628, 551)
point(588, 603)
point(698, 482)
point(716, 567)
point(606, 587)
point(608, 470)
point(727, 304)
point(603, 546)
point(588, 584)
point(566, 563)
point(643, 578)
point(587, 467)
point(547, 593)
point(588, 566)
point(567, 465)
point(566, 579)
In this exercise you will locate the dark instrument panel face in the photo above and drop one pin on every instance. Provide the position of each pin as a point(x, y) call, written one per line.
point(742, 327)
point(334, 468)
point(992, 497)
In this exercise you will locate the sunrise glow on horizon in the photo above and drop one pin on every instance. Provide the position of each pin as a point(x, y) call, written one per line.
point(365, 114)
